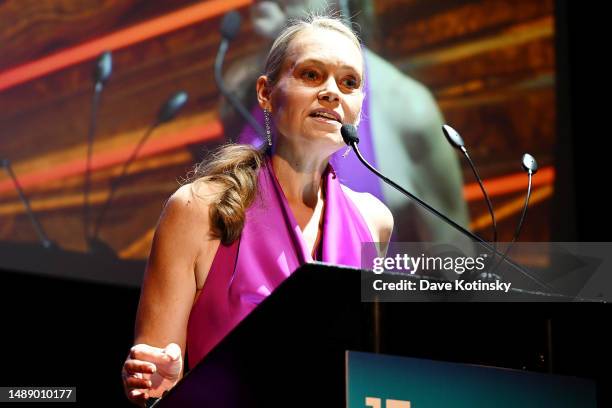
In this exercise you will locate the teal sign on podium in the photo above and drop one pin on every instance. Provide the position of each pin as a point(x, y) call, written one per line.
point(383, 381)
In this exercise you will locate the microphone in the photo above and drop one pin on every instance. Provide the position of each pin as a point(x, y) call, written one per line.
point(456, 141)
point(172, 106)
point(166, 113)
point(229, 30)
point(530, 166)
point(44, 240)
point(230, 25)
point(103, 69)
point(349, 135)
point(101, 74)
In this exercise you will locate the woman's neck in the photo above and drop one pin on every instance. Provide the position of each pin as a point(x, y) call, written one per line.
point(299, 176)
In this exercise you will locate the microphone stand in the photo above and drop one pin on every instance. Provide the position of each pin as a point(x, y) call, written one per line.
point(456, 141)
point(44, 240)
point(102, 72)
point(117, 181)
point(530, 173)
point(90, 141)
point(229, 29)
point(352, 141)
point(167, 112)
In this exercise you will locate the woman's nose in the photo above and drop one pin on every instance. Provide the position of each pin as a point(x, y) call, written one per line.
point(329, 92)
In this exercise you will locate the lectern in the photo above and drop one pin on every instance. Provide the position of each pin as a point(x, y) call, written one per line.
point(290, 351)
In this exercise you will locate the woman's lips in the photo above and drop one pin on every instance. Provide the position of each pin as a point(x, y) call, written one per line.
point(328, 113)
point(328, 121)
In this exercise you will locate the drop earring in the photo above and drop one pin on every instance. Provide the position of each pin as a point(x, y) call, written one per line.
point(268, 130)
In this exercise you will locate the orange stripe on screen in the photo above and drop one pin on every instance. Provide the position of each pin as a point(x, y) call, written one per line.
point(214, 130)
point(209, 131)
point(119, 39)
point(509, 184)
point(512, 207)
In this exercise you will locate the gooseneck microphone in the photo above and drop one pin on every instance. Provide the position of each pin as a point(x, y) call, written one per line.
point(455, 140)
point(530, 166)
point(44, 240)
point(349, 135)
point(102, 72)
point(167, 112)
point(229, 30)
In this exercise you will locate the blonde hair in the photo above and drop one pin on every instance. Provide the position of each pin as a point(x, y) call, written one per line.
point(278, 51)
point(235, 167)
point(233, 170)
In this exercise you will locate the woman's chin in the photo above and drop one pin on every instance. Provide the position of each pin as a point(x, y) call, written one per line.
point(326, 134)
point(329, 141)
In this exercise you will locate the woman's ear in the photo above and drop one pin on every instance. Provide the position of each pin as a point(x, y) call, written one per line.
point(263, 93)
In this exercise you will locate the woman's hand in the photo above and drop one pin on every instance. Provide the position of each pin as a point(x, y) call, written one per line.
point(149, 371)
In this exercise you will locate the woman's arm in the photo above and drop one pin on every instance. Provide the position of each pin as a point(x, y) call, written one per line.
point(169, 284)
point(169, 288)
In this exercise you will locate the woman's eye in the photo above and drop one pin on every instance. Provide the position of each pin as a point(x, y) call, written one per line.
point(350, 83)
point(310, 75)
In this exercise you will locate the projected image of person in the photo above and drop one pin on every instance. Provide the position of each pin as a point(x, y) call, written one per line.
point(251, 216)
point(400, 132)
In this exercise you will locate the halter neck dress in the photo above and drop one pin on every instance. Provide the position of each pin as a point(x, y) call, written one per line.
point(270, 248)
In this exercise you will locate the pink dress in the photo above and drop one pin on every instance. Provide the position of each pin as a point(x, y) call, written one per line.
point(269, 249)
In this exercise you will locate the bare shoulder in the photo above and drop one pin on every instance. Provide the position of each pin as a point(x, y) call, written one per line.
point(376, 214)
point(192, 195)
point(190, 203)
point(184, 225)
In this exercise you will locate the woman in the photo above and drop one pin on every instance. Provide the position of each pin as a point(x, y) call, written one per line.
point(281, 207)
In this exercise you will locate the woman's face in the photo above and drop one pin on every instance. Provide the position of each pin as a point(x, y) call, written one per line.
point(319, 87)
